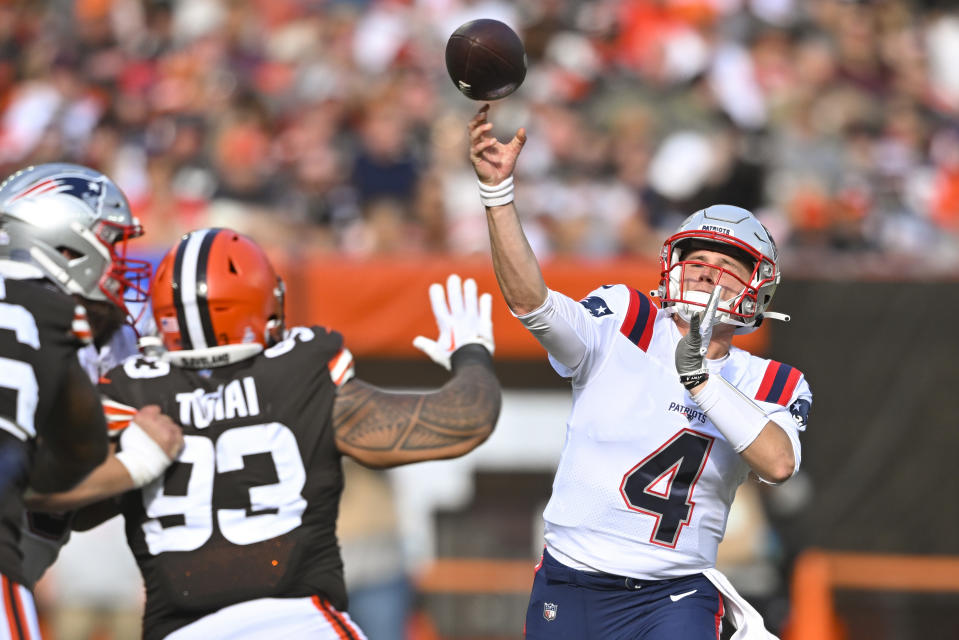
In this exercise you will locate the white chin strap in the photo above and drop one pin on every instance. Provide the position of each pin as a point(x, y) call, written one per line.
point(686, 310)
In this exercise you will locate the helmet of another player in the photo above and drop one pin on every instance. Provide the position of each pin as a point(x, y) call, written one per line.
point(737, 233)
point(216, 299)
point(73, 223)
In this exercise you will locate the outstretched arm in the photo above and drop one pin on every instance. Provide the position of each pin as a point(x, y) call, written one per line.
point(517, 270)
point(149, 445)
point(382, 428)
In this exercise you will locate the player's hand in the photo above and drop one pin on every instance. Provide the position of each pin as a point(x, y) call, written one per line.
point(149, 445)
point(492, 160)
point(691, 350)
point(462, 316)
point(162, 430)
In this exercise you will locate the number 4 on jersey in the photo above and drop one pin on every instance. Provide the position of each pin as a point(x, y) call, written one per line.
point(661, 485)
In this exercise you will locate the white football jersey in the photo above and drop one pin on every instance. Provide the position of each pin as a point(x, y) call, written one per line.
point(645, 481)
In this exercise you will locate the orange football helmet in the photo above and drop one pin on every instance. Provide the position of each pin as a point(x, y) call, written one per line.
point(217, 287)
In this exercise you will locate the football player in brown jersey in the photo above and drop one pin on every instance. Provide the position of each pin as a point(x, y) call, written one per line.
point(71, 224)
point(237, 538)
point(58, 226)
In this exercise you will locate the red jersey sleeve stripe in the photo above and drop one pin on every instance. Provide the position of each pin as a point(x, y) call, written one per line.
point(112, 407)
point(118, 416)
point(766, 385)
point(778, 383)
point(116, 428)
point(81, 326)
point(341, 367)
point(790, 386)
point(638, 325)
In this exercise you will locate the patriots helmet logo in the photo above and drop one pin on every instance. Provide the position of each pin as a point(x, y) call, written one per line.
point(90, 192)
point(596, 305)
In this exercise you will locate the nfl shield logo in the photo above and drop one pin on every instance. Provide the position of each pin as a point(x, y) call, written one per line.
point(549, 611)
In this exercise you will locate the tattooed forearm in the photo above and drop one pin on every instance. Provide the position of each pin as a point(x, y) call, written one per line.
point(385, 428)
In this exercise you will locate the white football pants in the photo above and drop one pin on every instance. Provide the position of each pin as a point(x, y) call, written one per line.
point(18, 611)
point(310, 617)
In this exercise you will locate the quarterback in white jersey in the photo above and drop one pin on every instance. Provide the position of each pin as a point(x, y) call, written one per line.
point(646, 479)
point(668, 419)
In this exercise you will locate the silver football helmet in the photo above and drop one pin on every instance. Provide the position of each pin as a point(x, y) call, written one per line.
point(735, 232)
point(74, 224)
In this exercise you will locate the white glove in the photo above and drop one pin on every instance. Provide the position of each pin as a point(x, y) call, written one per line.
point(466, 320)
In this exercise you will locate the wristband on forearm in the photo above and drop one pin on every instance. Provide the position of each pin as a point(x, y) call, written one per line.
point(694, 379)
point(143, 458)
point(737, 417)
point(472, 352)
point(497, 194)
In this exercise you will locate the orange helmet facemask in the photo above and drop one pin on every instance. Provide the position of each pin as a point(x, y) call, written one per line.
point(216, 299)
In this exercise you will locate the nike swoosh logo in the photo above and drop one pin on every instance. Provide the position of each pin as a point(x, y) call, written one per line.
point(680, 596)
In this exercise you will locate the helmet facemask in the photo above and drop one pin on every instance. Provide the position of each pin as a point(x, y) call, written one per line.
point(736, 233)
point(127, 279)
point(276, 325)
point(742, 301)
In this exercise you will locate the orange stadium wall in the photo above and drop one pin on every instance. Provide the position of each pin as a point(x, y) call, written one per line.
point(380, 305)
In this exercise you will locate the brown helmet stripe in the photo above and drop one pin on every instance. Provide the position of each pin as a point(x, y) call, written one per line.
point(190, 289)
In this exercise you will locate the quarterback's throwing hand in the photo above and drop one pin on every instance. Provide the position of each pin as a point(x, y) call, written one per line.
point(462, 316)
point(492, 160)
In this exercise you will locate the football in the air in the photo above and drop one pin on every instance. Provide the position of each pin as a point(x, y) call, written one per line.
point(486, 59)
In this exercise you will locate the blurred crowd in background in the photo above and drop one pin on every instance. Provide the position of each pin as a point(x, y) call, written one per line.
point(333, 125)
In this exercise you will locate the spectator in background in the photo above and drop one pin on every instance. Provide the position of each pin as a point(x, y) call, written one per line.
point(384, 166)
point(193, 106)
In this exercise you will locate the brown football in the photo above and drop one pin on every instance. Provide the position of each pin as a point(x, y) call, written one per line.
point(486, 59)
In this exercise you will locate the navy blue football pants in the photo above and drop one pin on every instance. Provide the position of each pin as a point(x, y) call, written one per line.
point(567, 604)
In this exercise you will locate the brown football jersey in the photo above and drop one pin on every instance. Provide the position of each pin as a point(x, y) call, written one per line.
point(41, 329)
point(249, 508)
